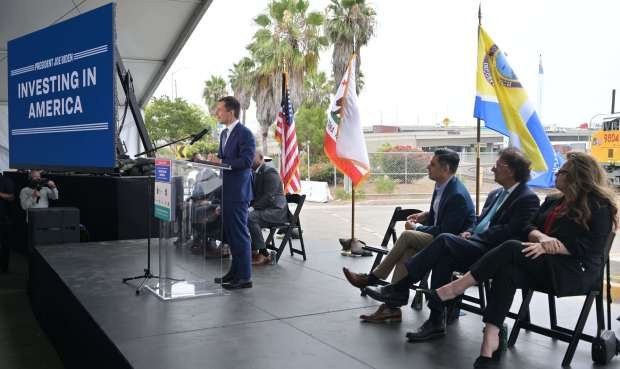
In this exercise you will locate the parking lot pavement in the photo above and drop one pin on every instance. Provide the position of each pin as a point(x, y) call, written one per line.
point(330, 221)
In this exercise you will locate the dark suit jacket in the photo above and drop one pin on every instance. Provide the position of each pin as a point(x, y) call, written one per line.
point(510, 219)
point(455, 212)
point(268, 189)
point(239, 154)
point(580, 271)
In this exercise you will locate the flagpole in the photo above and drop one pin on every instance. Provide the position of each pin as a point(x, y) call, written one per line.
point(283, 140)
point(478, 128)
point(352, 187)
point(352, 212)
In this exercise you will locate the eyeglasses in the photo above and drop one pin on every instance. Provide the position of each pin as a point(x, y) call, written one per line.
point(561, 171)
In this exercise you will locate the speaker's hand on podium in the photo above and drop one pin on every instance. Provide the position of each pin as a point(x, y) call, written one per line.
point(214, 158)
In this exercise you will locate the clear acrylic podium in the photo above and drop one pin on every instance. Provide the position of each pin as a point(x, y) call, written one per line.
point(189, 199)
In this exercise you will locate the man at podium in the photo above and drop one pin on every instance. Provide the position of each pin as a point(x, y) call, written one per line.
point(236, 149)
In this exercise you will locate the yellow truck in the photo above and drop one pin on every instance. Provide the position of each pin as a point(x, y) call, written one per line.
point(605, 147)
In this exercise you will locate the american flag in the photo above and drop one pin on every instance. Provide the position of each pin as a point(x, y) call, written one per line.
point(286, 135)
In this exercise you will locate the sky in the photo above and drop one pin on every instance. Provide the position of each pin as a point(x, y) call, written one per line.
point(420, 66)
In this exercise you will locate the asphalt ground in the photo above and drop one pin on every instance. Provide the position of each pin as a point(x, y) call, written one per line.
point(332, 220)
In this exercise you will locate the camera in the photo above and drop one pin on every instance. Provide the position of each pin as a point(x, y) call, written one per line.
point(37, 184)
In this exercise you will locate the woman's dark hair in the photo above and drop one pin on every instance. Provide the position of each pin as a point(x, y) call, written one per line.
point(231, 104)
point(448, 157)
point(518, 163)
point(584, 177)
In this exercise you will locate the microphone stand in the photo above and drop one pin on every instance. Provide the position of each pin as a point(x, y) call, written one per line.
point(165, 145)
point(147, 271)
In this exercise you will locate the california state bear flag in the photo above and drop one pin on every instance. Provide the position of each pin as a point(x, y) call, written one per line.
point(344, 142)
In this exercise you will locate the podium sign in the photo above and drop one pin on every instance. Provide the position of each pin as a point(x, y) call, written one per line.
point(164, 207)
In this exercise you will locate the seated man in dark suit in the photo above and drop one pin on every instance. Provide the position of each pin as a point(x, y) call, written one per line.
point(506, 212)
point(268, 207)
point(451, 211)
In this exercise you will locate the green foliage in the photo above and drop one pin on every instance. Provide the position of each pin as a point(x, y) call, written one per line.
point(214, 89)
point(321, 172)
point(317, 90)
point(241, 80)
point(310, 123)
point(341, 194)
point(168, 120)
point(345, 21)
point(400, 159)
point(385, 185)
point(203, 147)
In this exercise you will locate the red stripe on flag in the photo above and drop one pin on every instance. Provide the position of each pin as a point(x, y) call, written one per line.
point(343, 165)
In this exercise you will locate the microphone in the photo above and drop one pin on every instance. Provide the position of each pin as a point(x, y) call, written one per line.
point(199, 135)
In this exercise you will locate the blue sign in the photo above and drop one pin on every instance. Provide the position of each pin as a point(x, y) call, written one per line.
point(62, 94)
point(163, 199)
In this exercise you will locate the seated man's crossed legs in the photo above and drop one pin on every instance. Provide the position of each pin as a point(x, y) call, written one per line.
point(446, 253)
point(408, 244)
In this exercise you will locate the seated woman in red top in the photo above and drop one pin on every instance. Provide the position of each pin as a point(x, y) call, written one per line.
point(563, 255)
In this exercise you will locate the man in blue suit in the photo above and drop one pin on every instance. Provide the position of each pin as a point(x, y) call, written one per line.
point(506, 212)
point(451, 211)
point(237, 150)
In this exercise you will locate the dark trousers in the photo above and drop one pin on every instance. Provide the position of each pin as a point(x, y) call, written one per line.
point(5, 249)
point(509, 269)
point(258, 219)
point(445, 255)
point(237, 235)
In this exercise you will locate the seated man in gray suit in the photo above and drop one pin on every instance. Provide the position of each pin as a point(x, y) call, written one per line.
point(268, 207)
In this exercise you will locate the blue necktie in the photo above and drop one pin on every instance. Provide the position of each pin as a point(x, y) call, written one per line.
point(483, 225)
point(224, 138)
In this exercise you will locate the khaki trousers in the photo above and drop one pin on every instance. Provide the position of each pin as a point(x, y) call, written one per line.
point(407, 245)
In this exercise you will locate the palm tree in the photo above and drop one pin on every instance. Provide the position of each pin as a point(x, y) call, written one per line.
point(214, 89)
point(288, 40)
point(317, 90)
point(348, 20)
point(241, 79)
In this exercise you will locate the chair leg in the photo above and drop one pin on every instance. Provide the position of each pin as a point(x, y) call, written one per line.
point(269, 242)
point(377, 261)
point(290, 244)
point(600, 313)
point(553, 316)
point(301, 240)
point(418, 300)
point(583, 317)
point(523, 311)
point(481, 296)
point(285, 240)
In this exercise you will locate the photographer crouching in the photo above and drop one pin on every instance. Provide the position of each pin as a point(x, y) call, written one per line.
point(38, 192)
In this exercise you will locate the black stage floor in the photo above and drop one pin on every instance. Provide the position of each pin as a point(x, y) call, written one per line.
point(298, 315)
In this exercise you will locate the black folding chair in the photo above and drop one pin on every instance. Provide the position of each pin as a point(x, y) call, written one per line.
point(287, 228)
point(470, 303)
point(572, 336)
point(399, 215)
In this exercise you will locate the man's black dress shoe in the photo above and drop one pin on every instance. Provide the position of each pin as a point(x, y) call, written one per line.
point(238, 284)
point(388, 294)
point(429, 330)
point(226, 278)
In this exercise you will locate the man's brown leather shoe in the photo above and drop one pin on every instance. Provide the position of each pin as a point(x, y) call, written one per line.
point(260, 259)
point(356, 279)
point(384, 314)
point(217, 252)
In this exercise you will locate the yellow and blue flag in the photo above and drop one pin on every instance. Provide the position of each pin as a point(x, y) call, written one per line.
point(502, 103)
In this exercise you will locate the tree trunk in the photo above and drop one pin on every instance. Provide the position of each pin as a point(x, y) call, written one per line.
point(243, 111)
point(264, 134)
